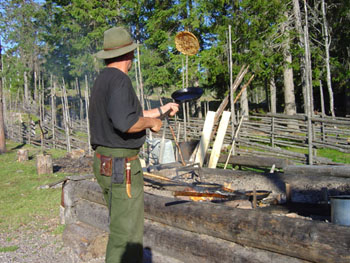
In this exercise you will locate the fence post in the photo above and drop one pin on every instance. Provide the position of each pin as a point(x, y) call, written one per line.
point(273, 132)
point(309, 136)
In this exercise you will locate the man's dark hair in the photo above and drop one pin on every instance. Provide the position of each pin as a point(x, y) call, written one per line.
point(120, 58)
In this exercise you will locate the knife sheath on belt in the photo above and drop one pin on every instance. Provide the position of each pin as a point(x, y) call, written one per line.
point(128, 180)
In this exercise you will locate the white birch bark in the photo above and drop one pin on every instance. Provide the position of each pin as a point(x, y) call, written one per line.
point(328, 68)
point(273, 94)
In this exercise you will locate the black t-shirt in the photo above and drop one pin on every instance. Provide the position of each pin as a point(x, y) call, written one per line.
point(114, 108)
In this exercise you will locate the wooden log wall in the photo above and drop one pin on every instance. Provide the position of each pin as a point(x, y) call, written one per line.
point(212, 226)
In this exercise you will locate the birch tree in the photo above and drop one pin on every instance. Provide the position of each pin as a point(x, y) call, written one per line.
point(289, 96)
point(327, 43)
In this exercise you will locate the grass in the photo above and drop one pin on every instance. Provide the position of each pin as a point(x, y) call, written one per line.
point(334, 155)
point(59, 230)
point(8, 249)
point(21, 201)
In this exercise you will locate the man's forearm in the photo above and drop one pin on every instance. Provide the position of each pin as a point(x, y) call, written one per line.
point(153, 113)
point(142, 124)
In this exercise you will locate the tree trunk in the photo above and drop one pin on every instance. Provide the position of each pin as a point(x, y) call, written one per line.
point(44, 164)
point(328, 67)
point(35, 87)
point(299, 29)
point(273, 95)
point(233, 115)
point(142, 100)
point(26, 92)
point(2, 121)
point(289, 97)
point(65, 111)
point(87, 113)
point(53, 112)
point(244, 103)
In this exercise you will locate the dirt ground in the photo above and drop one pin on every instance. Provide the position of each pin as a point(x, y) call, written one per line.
point(40, 244)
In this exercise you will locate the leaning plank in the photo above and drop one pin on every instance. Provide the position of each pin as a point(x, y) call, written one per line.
point(319, 170)
point(215, 153)
point(205, 138)
point(303, 239)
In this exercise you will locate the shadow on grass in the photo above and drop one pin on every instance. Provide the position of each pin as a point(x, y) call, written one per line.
point(18, 146)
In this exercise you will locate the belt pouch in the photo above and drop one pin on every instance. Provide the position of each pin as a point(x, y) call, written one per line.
point(106, 165)
point(118, 170)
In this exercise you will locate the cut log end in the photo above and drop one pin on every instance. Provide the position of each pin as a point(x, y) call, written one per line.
point(44, 164)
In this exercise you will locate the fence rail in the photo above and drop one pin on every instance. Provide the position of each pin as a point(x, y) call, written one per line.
point(263, 134)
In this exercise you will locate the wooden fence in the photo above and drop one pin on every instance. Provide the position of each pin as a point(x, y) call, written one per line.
point(276, 135)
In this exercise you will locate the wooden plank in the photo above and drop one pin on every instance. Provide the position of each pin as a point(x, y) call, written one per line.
point(215, 154)
point(205, 137)
point(318, 170)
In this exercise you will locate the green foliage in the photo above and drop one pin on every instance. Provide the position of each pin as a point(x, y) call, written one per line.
point(59, 37)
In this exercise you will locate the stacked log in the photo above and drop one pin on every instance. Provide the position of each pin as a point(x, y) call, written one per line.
point(208, 232)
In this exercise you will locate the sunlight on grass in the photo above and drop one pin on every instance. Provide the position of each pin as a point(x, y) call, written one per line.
point(20, 199)
point(8, 249)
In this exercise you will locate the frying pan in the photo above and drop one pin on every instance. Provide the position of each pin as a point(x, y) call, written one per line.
point(187, 94)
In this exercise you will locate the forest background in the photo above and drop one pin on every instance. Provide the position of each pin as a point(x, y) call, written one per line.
point(290, 46)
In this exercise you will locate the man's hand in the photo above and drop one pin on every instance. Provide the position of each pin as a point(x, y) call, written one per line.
point(157, 124)
point(171, 108)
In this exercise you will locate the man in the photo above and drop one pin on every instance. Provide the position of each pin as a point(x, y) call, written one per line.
point(118, 129)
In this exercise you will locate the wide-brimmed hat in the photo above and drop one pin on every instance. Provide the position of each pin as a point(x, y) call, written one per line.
point(116, 42)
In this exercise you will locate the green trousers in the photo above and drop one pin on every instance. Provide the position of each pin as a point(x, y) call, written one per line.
point(125, 243)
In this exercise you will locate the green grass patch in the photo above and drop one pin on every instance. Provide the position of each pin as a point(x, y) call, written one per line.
point(59, 230)
point(334, 155)
point(8, 249)
point(21, 201)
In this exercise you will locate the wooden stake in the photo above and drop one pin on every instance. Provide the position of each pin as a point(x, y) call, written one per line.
point(288, 193)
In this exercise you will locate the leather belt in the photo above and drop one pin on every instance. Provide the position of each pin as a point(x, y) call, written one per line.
point(127, 159)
